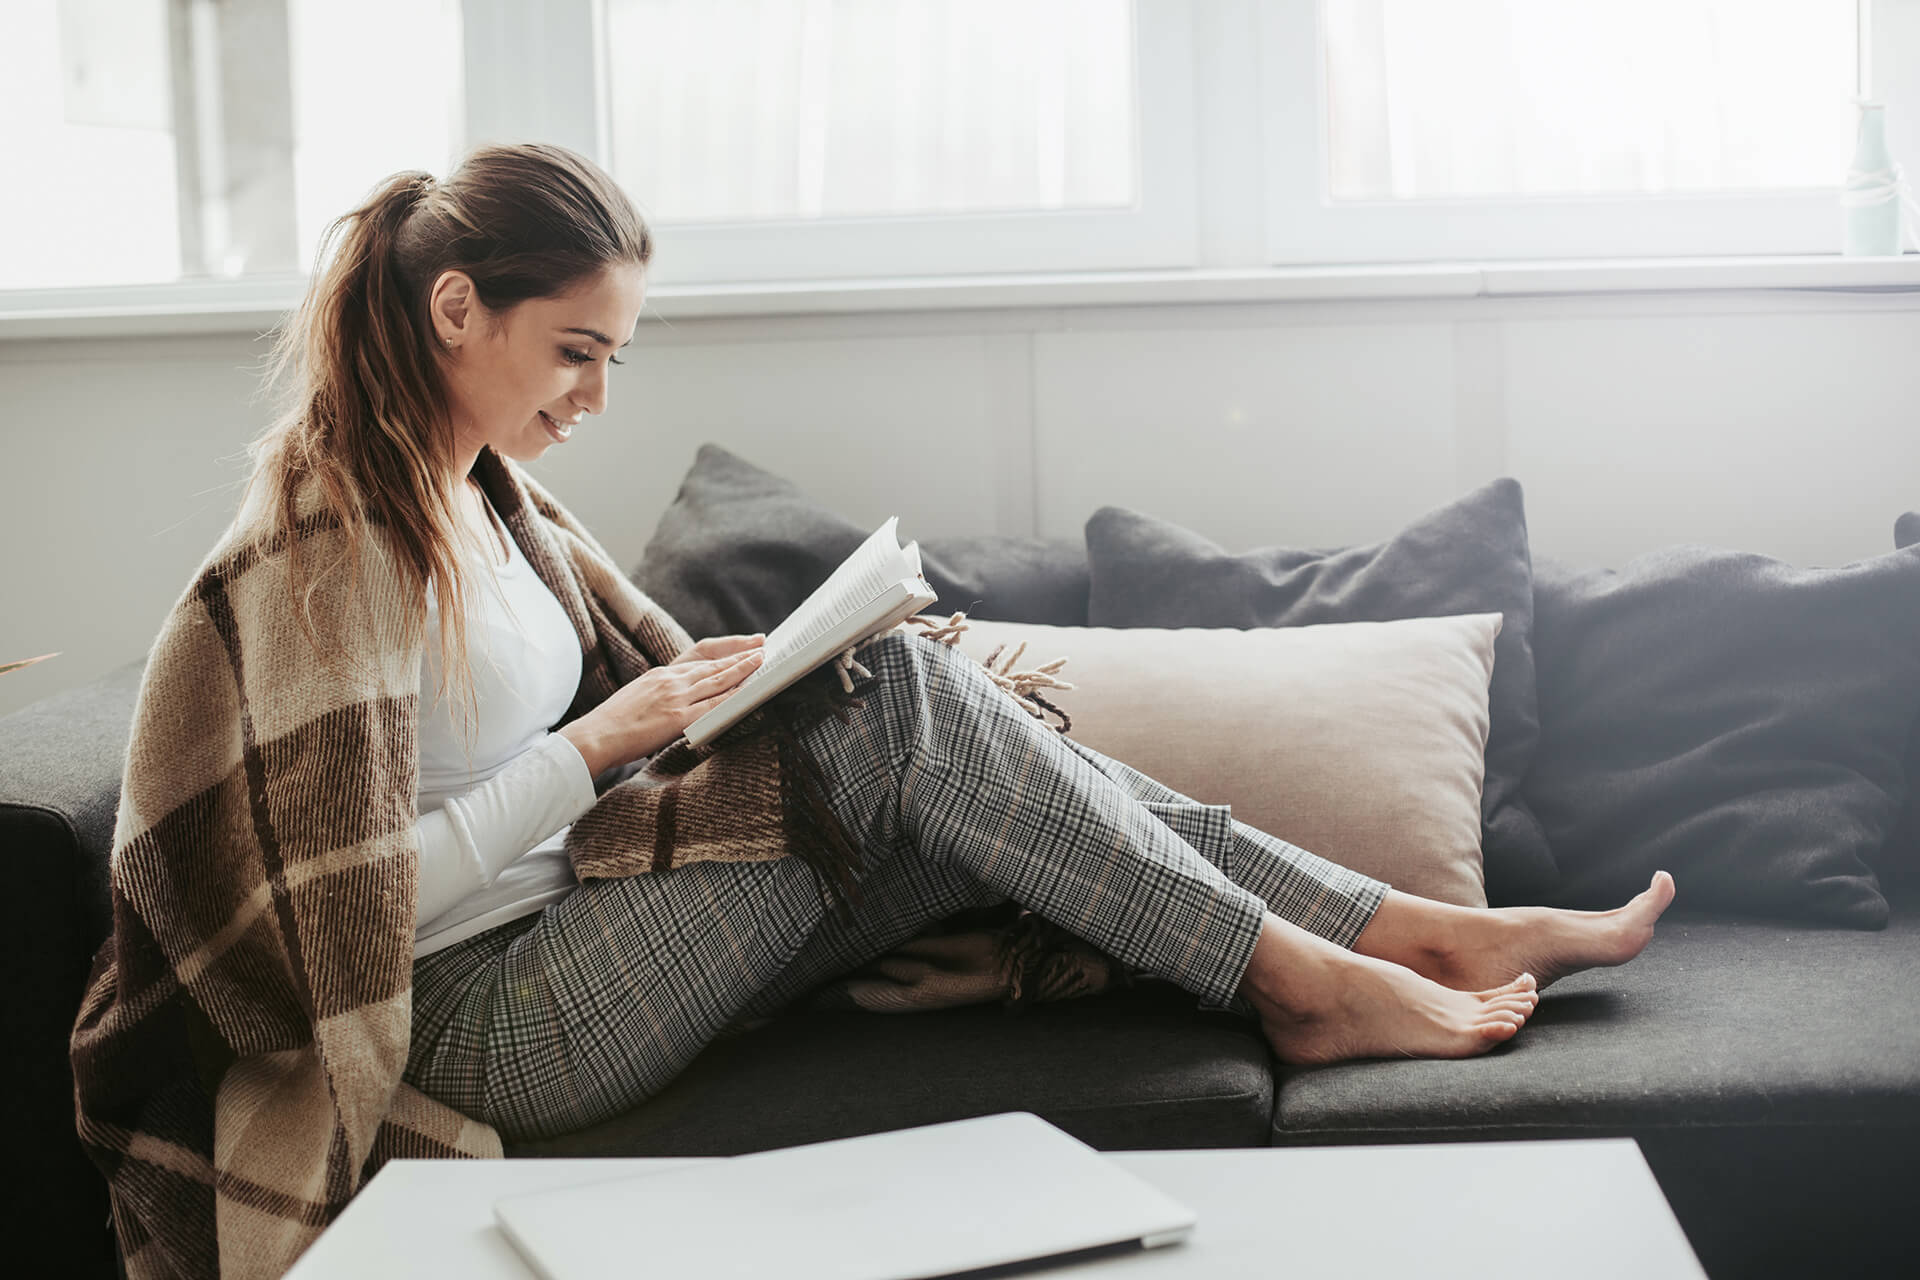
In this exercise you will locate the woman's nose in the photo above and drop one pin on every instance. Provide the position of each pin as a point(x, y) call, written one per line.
point(591, 395)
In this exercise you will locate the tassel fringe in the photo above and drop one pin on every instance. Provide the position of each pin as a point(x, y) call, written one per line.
point(1041, 961)
point(1022, 686)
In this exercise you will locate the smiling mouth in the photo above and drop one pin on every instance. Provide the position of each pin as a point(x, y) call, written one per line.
point(562, 430)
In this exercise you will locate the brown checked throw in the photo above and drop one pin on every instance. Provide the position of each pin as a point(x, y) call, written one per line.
point(238, 1051)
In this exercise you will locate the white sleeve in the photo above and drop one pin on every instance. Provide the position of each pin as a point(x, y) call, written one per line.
point(467, 844)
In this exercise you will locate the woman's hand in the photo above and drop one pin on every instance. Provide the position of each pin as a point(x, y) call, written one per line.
point(653, 709)
point(721, 647)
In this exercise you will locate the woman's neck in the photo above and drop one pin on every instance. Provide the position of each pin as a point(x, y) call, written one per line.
point(483, 522)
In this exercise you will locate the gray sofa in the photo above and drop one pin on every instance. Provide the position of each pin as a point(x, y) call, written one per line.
point(1769, 1070)
point(1771, 1073)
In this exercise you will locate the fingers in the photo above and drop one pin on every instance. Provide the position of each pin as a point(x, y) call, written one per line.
point(711, 647)
point(726, 646)
point(731, 669)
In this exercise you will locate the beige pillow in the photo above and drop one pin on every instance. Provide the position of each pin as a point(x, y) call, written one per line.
point(1363, 742)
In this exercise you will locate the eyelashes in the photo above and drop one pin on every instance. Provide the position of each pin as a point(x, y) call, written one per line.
point(582, 357)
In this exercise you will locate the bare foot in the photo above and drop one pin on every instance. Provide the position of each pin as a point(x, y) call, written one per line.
point(1318, 1002)
point(1490, 947)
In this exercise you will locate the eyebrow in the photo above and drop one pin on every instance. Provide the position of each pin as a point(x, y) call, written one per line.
point(600, 337)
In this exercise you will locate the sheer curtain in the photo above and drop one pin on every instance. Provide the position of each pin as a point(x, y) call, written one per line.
point(749, 110)
point(1483, 98)
point(176, 139)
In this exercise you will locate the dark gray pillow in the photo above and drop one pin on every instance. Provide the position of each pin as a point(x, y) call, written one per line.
point(1899, 864)
point(1738, 721)
point(739, 548)
point(1467, 557)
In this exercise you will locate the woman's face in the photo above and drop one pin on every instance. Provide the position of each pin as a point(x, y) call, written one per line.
point(521, 383)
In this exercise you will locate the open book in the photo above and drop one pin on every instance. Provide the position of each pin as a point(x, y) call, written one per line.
point(873, 590)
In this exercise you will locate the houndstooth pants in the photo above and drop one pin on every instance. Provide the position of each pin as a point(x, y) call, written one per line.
point(959, 799)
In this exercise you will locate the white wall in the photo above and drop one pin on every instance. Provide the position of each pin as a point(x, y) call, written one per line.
point(1783, 422)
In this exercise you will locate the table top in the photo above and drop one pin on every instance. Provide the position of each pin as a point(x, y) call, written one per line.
point(1568, 1208)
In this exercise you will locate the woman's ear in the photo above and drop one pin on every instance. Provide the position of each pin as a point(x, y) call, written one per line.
point(454, 309)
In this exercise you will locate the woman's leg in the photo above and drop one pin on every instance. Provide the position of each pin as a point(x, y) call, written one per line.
point(1466, 948)
point(1469, 948)
point(567, 1018)
point(1302, 888)
point(956, 798)
point(986, 788)
point(605, 996)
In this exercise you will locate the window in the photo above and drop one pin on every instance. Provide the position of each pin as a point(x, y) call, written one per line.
point(196, 148)
point(1496, 98)
point(181, 139)
point(763, 110)
point(782, 139)
point(85, 136)
point(1488, 129)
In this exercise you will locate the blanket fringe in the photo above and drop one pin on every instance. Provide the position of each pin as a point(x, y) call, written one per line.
point(1022, 686)
point(1040, 961)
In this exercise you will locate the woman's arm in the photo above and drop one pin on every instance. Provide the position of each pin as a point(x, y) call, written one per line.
point(465, 845)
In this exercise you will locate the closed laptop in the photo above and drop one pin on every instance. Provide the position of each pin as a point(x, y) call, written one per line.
point(911, 1203)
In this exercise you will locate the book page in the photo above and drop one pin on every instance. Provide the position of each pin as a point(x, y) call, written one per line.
point(874, 567)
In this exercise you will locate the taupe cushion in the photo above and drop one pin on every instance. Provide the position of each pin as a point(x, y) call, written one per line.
point(1469, 556)
point(1363, 742)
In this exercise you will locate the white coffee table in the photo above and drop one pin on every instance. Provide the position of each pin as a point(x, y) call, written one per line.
point(1470, 1210)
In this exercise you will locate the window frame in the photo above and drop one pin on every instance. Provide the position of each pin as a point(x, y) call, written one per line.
point(1158, 231)
point(1218, 122)
point(1304, 227)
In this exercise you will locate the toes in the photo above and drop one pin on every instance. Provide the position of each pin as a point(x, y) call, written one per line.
point(1514, 1004)
point(1525, 982)
point(1658, 893)
point(1500, 1028)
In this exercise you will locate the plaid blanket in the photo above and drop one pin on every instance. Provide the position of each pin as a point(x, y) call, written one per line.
point(238, 1051)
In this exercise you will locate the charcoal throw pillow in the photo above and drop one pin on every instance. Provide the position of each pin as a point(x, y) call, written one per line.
point(1899, 864)
point(1738, 721)
point(740, 547)
point(1467, 557)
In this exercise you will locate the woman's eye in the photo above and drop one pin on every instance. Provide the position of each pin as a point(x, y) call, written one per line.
point(582, 357)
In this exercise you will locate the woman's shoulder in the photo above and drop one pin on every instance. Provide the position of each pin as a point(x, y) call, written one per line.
point(248, 584)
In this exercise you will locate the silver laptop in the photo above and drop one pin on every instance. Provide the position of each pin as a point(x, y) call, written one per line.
point(932, 1201)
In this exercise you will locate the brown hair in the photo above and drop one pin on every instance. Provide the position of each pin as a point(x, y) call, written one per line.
point(364, 411)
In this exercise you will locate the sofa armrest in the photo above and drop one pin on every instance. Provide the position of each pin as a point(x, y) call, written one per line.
point(61, 761)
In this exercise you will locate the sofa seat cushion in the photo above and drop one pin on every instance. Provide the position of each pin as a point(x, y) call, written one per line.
point(1137, 1068)
point(1719, 1021)
point(1770, 1073)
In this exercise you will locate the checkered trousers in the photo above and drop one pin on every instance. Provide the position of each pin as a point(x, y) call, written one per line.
point(958, 799)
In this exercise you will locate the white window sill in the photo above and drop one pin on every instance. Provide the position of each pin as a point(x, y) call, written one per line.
point(257, 305)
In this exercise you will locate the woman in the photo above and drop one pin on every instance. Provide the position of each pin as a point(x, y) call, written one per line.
point(356, 917)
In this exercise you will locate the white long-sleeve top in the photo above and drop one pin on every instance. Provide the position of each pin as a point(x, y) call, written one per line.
point(492, 834)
